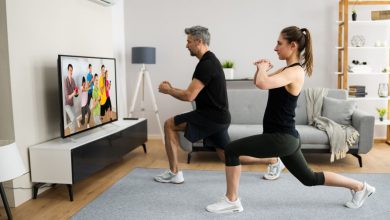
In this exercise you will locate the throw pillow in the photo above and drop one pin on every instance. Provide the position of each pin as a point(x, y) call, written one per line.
point(338, 110)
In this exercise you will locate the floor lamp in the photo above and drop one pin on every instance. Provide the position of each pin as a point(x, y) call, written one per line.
point(144, 55)
point(11, 166)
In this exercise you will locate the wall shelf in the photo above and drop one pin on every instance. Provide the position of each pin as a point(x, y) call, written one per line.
point(384, 122)
point(343, 48)
point(368, 73)
point(369, 98)
point(364, 22)
point(365, 48)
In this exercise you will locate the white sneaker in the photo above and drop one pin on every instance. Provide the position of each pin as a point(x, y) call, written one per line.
point(169, 177)
point(225, 206)
point(274, 170)
point(359, 197)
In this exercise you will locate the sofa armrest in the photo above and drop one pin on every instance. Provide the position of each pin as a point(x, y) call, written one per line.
point(364, 124)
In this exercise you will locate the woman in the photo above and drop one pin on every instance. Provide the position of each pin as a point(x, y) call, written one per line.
point(280, 138)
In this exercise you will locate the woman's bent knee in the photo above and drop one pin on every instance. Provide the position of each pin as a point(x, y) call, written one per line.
point(316, 179)
point(231, 157)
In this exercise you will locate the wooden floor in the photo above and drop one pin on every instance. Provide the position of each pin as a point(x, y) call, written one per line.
point(54, 203)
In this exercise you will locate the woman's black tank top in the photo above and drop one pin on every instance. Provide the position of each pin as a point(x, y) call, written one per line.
point(280, 111)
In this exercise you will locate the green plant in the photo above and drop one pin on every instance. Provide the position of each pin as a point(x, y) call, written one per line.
point(228, 64)
point(381, 111)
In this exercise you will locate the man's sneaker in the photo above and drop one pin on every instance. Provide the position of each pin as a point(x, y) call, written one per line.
point(359, 197)
point(274, 170)
point(169, 177)
point(225, 206)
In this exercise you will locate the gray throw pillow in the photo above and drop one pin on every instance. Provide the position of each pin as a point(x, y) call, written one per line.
point(338, 110)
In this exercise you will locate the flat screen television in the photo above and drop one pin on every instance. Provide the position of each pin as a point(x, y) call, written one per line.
point(88, 96)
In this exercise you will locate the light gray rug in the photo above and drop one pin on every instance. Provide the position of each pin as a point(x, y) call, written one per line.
point(137, 196)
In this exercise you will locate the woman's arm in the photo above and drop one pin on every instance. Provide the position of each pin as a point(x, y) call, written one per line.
point(277, 79)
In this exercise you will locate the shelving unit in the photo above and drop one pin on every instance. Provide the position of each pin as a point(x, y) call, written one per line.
point(343, 51)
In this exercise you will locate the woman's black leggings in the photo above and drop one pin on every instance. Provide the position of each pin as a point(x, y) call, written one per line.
point(285, 146)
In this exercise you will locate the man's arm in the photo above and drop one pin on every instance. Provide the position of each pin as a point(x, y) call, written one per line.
point(188, 95)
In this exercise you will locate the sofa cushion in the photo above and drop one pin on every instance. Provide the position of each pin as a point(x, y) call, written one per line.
point(308, 134)
point(247, 106)
point(237, 131)
point(340, 111)
point(301, 111)
point(312, 135)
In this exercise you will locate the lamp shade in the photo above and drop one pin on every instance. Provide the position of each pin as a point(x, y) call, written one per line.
point(143, 55)
point(11, 164)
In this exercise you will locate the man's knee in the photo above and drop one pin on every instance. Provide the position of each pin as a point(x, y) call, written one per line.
point(169, 124)
point(221, 154)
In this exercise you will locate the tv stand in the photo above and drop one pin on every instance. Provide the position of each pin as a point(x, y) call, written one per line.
point(69, 160)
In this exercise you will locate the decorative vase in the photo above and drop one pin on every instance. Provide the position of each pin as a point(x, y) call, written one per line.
point(354, 16)
point(380, 118)
point(383, 90)
point(229, 73)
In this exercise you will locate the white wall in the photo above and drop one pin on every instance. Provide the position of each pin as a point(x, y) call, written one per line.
point(38, 31)
point(118, 32)
point(240, 30)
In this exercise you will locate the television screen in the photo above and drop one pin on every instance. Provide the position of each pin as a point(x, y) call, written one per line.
point(87, 92)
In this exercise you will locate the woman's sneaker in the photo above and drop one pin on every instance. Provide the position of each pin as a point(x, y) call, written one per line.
point(169, 177)
point(225, 206)
point(359, 197)
point(274, 170)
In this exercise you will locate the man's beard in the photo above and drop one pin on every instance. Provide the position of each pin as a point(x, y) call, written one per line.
point(192, 53)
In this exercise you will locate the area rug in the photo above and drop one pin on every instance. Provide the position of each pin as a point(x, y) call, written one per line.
point(138, 196)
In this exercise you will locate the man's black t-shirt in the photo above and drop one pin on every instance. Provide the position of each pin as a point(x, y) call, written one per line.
point(212, 102)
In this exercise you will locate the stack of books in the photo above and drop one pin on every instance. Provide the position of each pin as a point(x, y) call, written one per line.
point(380, 15)
point(357, 91)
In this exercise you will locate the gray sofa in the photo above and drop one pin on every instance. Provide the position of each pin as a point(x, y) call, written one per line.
point(247, 108)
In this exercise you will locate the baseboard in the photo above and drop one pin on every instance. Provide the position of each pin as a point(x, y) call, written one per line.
point(380, 140)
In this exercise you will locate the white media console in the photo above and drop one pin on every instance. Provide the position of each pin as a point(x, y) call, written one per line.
point(69, 160)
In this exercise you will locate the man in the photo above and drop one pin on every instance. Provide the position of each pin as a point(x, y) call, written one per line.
point(211, 119)
point(70, 92)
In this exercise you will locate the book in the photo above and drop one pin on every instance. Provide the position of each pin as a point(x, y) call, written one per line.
point(357, 94)
point(357, 90)
point(380, 15)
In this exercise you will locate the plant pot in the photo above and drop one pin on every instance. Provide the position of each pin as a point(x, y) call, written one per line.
point(229, 73)
point(354, 16)
point(380, 118)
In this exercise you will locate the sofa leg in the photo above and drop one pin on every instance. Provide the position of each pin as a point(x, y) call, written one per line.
point(189, 157)
point(359, 159)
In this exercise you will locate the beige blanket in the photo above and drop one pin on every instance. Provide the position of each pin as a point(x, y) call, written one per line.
point(341, 137)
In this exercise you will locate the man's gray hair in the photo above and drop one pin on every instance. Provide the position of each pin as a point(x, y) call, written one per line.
point(199, 32)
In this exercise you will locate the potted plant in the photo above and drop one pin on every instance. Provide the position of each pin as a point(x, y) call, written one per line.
point(354, 15)
point(228, 66)
point(381, 112)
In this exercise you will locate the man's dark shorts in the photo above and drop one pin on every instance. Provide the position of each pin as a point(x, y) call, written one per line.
point(198, 127)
